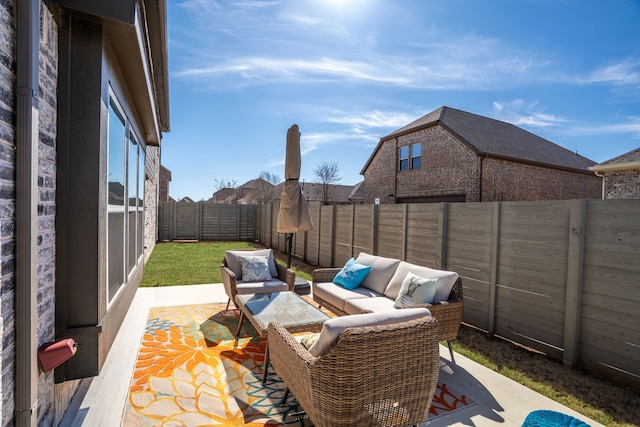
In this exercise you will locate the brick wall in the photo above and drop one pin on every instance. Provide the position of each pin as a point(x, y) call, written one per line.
point(622, 185)
point(505, 180)
point(165, 177)
point(451, 169)
point(47, 116)
point(151, 188)
point(47, 92)
point(379, 176)
point(447, 169)
point(7, 204)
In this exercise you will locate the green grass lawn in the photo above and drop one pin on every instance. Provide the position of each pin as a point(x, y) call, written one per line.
point(600, 399)
point(177, 264)
point(173, 264)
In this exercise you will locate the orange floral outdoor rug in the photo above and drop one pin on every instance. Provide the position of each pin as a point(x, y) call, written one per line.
point(191, 370)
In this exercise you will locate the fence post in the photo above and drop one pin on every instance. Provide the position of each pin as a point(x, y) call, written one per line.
point(493, 281)
point(442, 236)
point(199, 222)
point(172, 231)
point(374, 230)
point(575, 265)
point(332, 256)
point(238, 222)
point(405, 215)
point(353, 226)
point(161, 214)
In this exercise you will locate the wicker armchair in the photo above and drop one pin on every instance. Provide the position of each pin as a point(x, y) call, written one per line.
point(283, 281)
point(449, 315)
point(372, 376)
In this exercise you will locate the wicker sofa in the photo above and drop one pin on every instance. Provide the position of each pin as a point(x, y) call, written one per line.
point(374, 373)
point(379, 290)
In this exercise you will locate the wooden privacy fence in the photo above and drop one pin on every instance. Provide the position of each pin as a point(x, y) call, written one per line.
point(562, 277)
point(206, 221)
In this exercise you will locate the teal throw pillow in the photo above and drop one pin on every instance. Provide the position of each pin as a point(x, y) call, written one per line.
point(352, 274)
point(255, 269)
point(416, 292)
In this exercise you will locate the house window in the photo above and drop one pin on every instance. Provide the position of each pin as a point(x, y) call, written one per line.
point(416, 155)
point(116, 200)
point(125, 200)
point(409, 157)
point(403, 158)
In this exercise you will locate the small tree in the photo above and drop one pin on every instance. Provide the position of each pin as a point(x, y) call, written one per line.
point(327, 174)
point(219, 184)
point(226, 191)
point(266, 189)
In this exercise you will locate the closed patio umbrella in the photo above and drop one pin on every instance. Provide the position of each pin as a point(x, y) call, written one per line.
point(294, 215)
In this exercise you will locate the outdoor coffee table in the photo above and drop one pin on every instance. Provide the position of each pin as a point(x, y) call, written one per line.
point(288, 308)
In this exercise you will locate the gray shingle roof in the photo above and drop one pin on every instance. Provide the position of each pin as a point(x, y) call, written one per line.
point(631, 157)
point(497, 138)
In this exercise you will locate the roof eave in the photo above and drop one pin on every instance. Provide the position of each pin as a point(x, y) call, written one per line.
point(139, 30)
point(615, 167)
point(535, 163)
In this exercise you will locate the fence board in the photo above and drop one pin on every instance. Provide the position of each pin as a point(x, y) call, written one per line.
point(364, 229)
point(343, 234)
point(515, 259)
point(390, 229)
point(422, 234)
point(326, 236)
point(313, 236)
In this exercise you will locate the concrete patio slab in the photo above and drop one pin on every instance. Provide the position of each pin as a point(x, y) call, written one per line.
point(100, 401)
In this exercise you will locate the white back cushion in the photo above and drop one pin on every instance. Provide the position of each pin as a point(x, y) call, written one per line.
point(234, 264)
point(381, 272)
point(446, 280)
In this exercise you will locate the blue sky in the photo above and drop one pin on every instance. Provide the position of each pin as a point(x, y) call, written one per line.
point(350, 72)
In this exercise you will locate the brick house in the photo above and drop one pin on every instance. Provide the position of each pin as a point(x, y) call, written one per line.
point(336, 194)
point(621, 176)
point(165, 179)
point(454, 156)
point(84, 104)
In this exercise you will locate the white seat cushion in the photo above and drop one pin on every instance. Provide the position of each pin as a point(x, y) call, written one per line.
point(332, 328)
point(273, 285)
point(336, 295)
point(359, 305)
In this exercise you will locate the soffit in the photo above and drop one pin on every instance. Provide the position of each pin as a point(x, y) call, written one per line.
point(137, 33)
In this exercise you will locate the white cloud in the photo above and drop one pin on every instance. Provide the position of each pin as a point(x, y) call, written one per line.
point(259, 70)
point(626, 72)
point(629, 126)
point(371, 119)
point(522, 113)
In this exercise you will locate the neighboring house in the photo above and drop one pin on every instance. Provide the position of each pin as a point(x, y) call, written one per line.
point(258, 191)
point(165, 178)
point(315, 192)
point(621, 176)
point(83, 108)
point(451, 155)
point(255, 191)
point(356, 197)
point(186, 199)
point(224, 195)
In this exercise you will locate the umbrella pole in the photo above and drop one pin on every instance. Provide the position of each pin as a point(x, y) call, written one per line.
point(290, 242)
